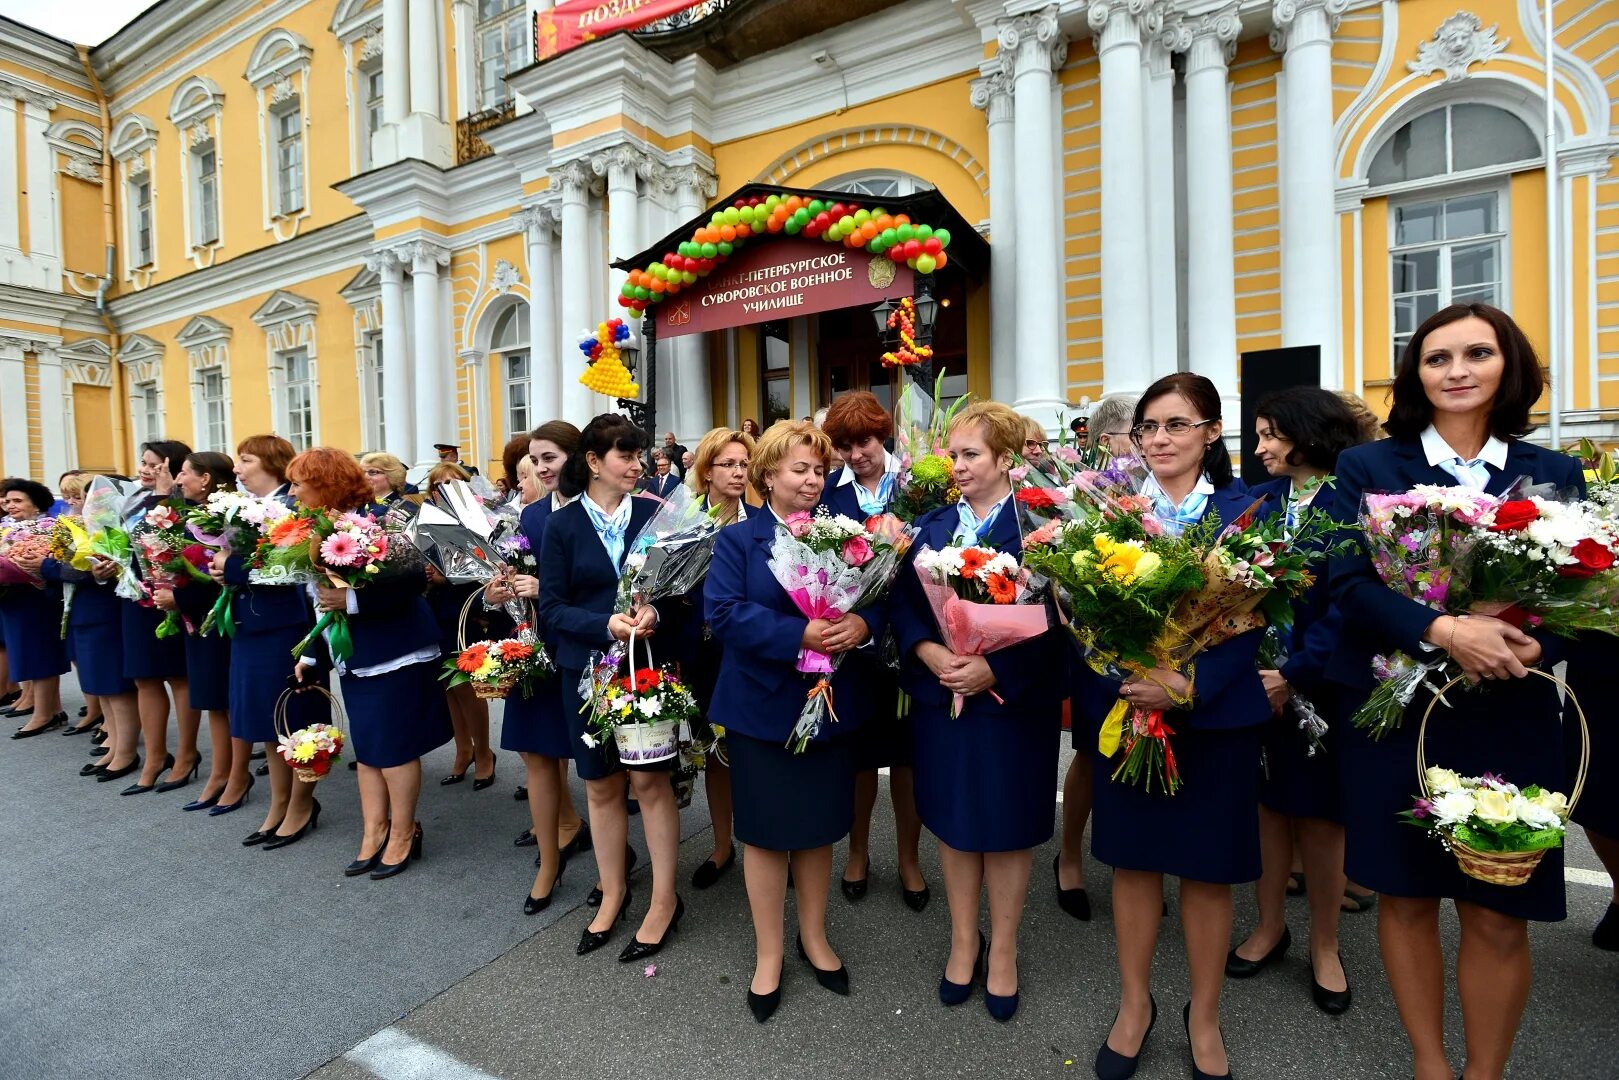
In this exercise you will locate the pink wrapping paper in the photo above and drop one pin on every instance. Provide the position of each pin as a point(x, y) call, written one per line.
point(970, 629)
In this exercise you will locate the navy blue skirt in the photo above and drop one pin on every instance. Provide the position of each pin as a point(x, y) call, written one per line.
point(782, 801)
point(397, 717)
point(591, 762)
point(987, 780)
point(1206, 831)
point(31, 624)
point(1510, 729)
point(1593, 674)
point(260, 665)
point(146, 656)
point(1292, 781)
point(208, 671)
point(536, 724)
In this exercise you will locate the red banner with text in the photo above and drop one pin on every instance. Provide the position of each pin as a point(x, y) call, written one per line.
point(574, 22)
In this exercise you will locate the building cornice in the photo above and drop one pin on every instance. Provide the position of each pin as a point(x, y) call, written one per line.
point(61, 311)
point(412, 189)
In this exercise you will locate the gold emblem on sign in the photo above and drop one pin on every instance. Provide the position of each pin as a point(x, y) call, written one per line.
point(880, 272)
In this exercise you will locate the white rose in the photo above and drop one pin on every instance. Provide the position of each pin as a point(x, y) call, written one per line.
point(1442, 780)
point(1494, 807)
point(1453, 807)
point(1554, 801)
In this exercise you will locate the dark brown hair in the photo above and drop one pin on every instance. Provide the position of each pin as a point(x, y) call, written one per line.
point(1318, 423)
point(1205, 398)
point(515, 450)
point(217, 467)
point(274, 453)
point(561, 434)
point(1521, 378)
point(608, 431)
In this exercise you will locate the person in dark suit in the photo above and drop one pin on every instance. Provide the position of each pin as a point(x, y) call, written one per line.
point(1207, 834)
point(31, 618)
point(270, 620)
point(790, 807)
point(1301, 432)
point(663, 480)
point(858, 426)
point(985, 779)
point(580, 563)
point(451, 453)
point(676, 453)
point(1462, 396)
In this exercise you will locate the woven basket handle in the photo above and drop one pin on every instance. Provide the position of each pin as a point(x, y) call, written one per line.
point(466, 610)
point(1585, 734)
point(283, 726)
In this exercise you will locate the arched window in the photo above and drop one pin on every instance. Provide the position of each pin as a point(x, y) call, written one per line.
point(1448, 219)
point(509, 340)
point(877, 185)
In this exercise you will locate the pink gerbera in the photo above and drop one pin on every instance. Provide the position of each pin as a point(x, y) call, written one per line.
point(340, 549)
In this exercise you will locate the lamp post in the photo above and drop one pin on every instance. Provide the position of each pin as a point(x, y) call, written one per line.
point(643, 413)
point(927, 313)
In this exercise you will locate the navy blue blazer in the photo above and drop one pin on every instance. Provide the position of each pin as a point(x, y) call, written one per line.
point(1317, 625)
point(761, 691)
point(1020, 670)
point(532, 521)
point(391, 620)
point(579, 586)
point(1229, 692)
point(93, 601)
point(1375, 618)
point(259, 609)
point(661, 486)
point(840, 498)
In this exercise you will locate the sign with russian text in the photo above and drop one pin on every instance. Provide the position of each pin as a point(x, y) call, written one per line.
point(574, 22)
point(779, 279)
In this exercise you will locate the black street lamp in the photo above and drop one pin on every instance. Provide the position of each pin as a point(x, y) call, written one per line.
point(927, 314)
point(643, 413)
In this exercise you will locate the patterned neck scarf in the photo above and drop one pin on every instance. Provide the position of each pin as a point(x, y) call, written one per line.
point(1473, 474)
point(610, 527)
point(1178, 517)
point(970, 528)
point(876, 503)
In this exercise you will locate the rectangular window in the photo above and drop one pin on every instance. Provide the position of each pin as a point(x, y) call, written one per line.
point(515, 366)
point(299, 400)
point(502, 48)
point(140, 201)
point(373, 407)
point(205, 163)
point(370, 110)
point(151, 415)
point(289, 159)
point(1445, 251)
point(775, 377)
point(213, 432)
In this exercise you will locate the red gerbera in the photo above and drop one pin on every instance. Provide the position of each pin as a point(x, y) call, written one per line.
point(647, 679)
point(515, 650)
point(1037, 498)
point(1002, 589)
point(472, 659)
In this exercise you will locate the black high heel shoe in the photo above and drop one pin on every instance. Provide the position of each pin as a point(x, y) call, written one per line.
point(365, 866)
point(1197, 1073)
point(764, 1006)
point(455, 777)
point(388, 870)
point(533, 905)
point(856, 890)
point(835, 981)
point(54, 722)
point(951, 993)
point(225, 808)
point(278, 841)
point(640, 950)
point(1075, 902)
point(595, 897)
point(1239, 968)
point(207, 803)
point(142, 789)
point(591, 940)
point(170, 785)
point(1112, 1065)
point(105, 774)
point(486, 782)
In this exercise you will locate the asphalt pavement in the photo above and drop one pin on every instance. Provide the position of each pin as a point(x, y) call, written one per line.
point(146, 942)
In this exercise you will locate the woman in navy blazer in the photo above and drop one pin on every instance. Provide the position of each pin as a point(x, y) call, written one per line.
point(580, 563)
point(1462, 395)
point(986, 779)
point(858, 426)
point(1207, 834)
point(270, 620)
point(1301, 432)
point(31, 618)
point(536, 725)
point(790, 808)
point(391, 690)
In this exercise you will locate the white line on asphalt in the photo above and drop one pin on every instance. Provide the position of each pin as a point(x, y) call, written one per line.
point(1587, 877)
point(393, 1055)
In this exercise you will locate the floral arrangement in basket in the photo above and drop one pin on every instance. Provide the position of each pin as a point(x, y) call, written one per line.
point(495, 668)
point(311, 751)
point(168, 560)
point(231, 521)
point(1497, 831)
point(646, 714)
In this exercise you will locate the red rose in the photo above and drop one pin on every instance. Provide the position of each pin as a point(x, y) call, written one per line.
point(1514, 515)
point(197, 556)
point(1593, 559)
point(1036, 498)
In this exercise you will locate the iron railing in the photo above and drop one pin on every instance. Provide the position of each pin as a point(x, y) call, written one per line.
point(468, 145)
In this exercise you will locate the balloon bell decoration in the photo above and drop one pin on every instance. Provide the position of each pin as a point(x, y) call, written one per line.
point(921, 247)
point(605, 372)
point(902, 320)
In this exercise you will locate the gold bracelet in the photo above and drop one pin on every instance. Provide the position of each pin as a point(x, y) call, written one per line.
point(1450, 643)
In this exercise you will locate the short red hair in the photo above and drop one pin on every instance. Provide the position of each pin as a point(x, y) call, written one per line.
point(329, 479)
point(855, 417)
point(274, 453)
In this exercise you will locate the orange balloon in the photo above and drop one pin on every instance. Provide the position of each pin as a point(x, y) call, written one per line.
point(793, 203)
point(727, 233)
point(743, 232)
point(635, 277)
point(657, 285)
point(940, 261)
point(885, 222)
point(901, 219)
point(869, 230)
point(775, 224)
point(857, 239)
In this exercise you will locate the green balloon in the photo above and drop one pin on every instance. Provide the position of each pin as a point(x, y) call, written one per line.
point(943, 237)
point(846, 224)
point(792, 227)
point(905, 232)
point(725, 248)
point(642, 292)
point(732, 215)
point(816, 206)
point(876, 246)
point(877, 211)
point(688, 277)
point(659, 271)
point(888, 237)
point(657, 297)
point(772, 202)
point(627, 289)
point(925, 263)
point(709, 251)
point(717, 218)
point(802, 216)
point(862, 216)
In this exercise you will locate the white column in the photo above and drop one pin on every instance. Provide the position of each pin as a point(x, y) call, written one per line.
point(52, 437)
point(42, 230)
point(1037, 46)
point(1126, 308)
point(619, 166)
point(395, 61)
point(692, 391)
point(1309, 226)
point(424, 58)
point(447, 368)
point(1158, 106)
point(10, 183)
point(433, 409)
point(539, 235)
point(14, 422)
point(993, 93)
point(465, 15)
point(1211, 298)
point(399, 421)
point(578, 403)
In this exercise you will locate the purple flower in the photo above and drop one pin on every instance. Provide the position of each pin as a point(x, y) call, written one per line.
point(1422, 809)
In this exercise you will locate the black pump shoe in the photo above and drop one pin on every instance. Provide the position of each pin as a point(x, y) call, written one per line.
point(228, 808)
point(486, 782)
point(1197, 1073)
point(1331, 1002)
point(276, 840)
point(170, 785)
point(856, 890)
point(591, 940)
point(54, 722)
point(764, 1006)
point(595, 897)
point(917, 899)
point(835, 981)
point(1075, 902)
point(105, 774)
point(709, 874)
point(1112, 1065)
point(951, 993)
point(533, 905)
point(1238, 968)
point(640, 950)
point(365, 866)
point(142, 789)
point(388, 870)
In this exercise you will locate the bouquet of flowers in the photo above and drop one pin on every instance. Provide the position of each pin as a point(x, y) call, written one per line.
point(167, 560)
point(926, 478)
point(311, 751)
point(104, 534)
point(495, 667)
point(982, 600)
point(830, 566)
point(316, 545)
point(647, 714)
point(1601, 477)
point(231, 521)
point(32, 537)
point(1497, 831)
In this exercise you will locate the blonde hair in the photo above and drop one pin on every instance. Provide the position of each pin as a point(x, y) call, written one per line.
point(781, 439)
point(708, 448)
point(391, 467)
point(74, 485)
point(443, 473)
point(1003, 430)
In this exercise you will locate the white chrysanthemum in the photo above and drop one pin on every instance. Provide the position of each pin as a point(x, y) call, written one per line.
point(649, 706)
point(1533, 814)
point(1454, 807)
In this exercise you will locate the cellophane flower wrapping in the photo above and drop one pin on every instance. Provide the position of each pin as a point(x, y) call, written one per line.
point(926, 478)
point(1547, 563)
point(231, 521)
point(33, 538)
point(106, 504)
point(1486, 813)
point(169, 558)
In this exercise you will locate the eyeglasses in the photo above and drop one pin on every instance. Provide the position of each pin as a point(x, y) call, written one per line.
point(1035, 444)
point(1144, 431)
point(742, 465)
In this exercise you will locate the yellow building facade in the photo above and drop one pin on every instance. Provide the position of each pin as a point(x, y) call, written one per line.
point(378, 224)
